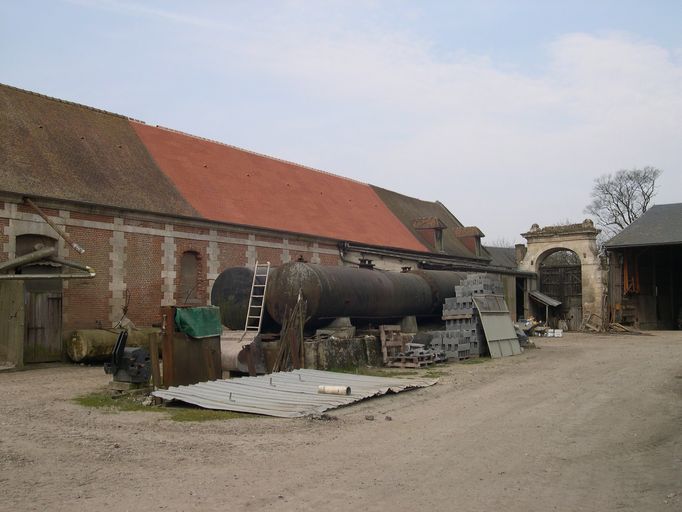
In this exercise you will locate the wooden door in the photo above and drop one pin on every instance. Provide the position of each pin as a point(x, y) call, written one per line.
point(43, 341)
point(564, 283)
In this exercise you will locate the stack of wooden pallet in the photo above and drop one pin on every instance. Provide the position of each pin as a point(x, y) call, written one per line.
point(398, 352)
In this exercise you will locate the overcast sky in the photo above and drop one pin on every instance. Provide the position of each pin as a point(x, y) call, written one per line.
point(505, 111)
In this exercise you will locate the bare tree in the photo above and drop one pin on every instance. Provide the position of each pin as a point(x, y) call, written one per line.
point(619, 199)
point(501, 242)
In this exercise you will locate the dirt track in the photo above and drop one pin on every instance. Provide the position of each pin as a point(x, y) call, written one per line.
point(585, 423)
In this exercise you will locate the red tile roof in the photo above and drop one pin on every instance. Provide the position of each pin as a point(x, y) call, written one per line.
point(231, 185)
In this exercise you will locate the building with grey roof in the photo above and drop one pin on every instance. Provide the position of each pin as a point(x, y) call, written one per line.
point(645, 270)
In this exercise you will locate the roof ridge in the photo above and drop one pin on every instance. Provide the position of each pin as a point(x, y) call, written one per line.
point(72, 103)
point(256, 153)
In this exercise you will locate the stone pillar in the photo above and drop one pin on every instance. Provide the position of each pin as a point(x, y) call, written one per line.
point(251, 254)
point(212, 264)
point(117, 285)
point(168, 271)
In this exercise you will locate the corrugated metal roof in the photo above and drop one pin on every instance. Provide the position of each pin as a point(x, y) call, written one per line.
point(544, 299)
point(660, 225)
point(286, 394)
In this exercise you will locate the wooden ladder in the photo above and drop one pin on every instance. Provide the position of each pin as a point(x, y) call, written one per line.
point(254, 314)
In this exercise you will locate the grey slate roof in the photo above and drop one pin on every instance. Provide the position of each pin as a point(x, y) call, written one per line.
point(407, 209)
point(502, 256)
point(660, 225)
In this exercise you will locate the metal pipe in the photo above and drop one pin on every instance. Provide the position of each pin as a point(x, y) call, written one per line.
point(72, 264)
point(59, 230)
point(432, 262)
point(27, 258)
point(30, 277)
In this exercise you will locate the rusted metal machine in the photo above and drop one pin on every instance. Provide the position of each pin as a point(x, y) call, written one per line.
point(333, 292)
point(129, 364)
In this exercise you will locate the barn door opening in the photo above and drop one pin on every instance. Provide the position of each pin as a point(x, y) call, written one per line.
point(43, 305)
point(561, 279)
point(43, 341)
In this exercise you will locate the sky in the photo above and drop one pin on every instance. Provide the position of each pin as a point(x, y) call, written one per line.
point(505, 111)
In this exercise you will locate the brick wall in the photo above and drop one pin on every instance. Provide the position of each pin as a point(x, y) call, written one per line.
point(264, 254)
point(231, 255)
point(107, 219)
point(86, 302)
point(138, 258)
point(143, 278)
point(199, 247)
point(24, 208)
point(269, 239)
point(328, 259)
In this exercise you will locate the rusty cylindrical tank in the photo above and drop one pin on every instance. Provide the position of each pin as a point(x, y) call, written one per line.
point(230, 293)
point(333, 291)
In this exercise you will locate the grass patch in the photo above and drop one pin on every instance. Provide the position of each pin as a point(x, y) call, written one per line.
point(377, 372)
point(434, 374)
point(430, 372)
point(103, 400)
point(477, 360)
point(128, 403)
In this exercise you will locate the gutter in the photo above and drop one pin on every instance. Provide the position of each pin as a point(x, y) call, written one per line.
point(432, 262)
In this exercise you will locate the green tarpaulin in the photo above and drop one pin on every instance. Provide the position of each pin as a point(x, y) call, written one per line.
point(201, 322)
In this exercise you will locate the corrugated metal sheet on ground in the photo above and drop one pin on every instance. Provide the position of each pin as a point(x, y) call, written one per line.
point(287, 394)
point(497, 325)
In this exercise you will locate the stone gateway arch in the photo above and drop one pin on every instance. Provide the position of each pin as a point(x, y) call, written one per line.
point(588, 276)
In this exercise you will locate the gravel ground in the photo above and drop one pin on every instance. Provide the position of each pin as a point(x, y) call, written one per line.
point(583, 423)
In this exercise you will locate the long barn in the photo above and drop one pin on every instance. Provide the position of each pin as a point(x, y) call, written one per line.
point(161, 213)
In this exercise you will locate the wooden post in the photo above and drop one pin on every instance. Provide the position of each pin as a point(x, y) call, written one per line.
point(12, 312)
point(168, 312)
point(154, 353)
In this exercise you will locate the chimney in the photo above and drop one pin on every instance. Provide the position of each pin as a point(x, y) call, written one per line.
point(470, 236)
point(521, 251)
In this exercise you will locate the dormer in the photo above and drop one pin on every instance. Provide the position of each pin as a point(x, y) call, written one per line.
point(431, 230)
point(470, 236)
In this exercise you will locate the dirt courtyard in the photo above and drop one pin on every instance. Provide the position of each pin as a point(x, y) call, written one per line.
point(583, 423)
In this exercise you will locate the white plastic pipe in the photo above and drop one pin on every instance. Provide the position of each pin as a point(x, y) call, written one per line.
point(334, 390)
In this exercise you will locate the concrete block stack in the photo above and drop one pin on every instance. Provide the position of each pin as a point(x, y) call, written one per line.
point(463, 336)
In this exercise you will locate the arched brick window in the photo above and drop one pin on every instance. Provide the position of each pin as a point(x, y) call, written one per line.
point(188, 291)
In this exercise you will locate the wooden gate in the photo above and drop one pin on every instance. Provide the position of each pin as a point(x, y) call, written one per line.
point(43, 341)
point(565, 284)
